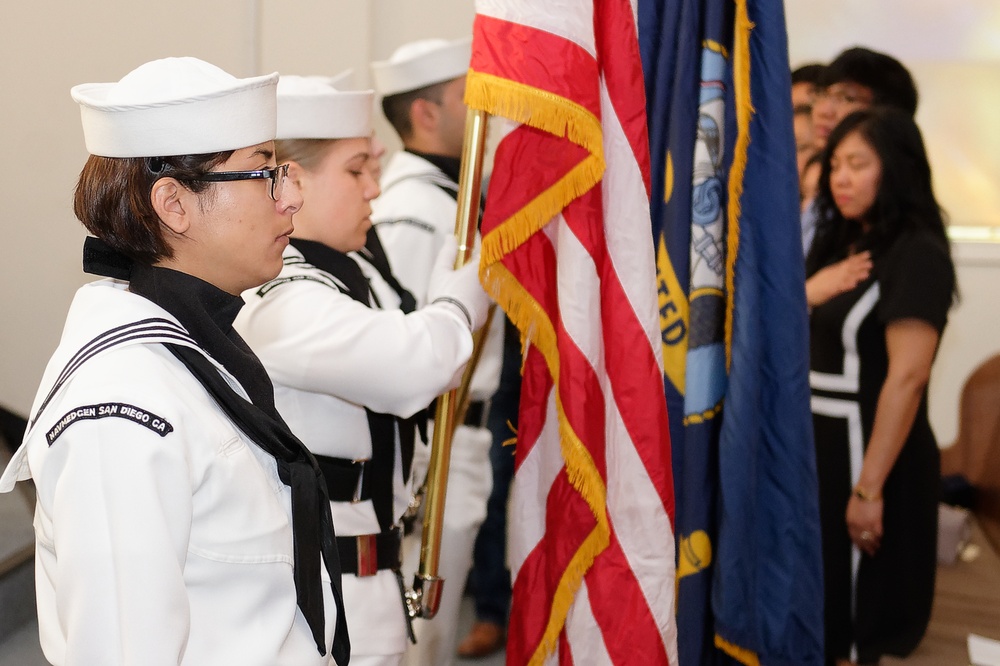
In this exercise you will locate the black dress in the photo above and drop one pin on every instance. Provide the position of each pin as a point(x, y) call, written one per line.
point(877, 605)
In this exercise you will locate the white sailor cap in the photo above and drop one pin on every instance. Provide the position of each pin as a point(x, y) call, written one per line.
point(344, 80)
point(310, 107)
point(176, 106)
point(422, 63)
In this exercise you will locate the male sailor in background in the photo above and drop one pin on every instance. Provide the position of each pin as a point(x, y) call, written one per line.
point(422, 86)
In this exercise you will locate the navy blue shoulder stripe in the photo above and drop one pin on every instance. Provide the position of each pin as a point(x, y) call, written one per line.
point(419, 224)
point(438, 179)
point(154, 328)
point(121, 334)
point(321, 279)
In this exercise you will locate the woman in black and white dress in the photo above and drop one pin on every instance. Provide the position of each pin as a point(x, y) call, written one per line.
point(881, 283)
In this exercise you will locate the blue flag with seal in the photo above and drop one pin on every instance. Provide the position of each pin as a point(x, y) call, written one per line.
point(735, 331)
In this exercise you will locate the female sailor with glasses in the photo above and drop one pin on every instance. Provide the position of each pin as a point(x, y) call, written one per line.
point(178, 519)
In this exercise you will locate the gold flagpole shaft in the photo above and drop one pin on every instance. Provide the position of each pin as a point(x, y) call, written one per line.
point(463, 394)
point(427, 586)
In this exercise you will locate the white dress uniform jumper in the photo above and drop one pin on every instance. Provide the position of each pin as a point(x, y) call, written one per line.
point(350, 368)
point(177, 519)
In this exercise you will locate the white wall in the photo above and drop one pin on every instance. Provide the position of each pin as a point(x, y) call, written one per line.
point(401, 21)
point(952, 49)
point(51, 45)
point(972, 335)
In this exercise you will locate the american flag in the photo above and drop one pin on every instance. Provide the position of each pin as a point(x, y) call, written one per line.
point(567, 252)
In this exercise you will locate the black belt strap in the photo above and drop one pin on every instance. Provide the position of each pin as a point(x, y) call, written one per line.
point(360, 480)
point(475, 415)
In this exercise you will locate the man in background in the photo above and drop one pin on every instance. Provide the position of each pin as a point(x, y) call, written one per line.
point(804, 82)
point(422, 87)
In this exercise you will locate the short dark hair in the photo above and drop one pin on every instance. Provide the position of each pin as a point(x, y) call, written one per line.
point(905, 199)
point(890, 82)
point(808, 73)
point(397, 107)
point(112, 199)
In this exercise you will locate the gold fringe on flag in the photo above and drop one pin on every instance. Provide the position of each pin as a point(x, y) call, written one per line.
point(550, 113)
point(707, 415)
point(528, 315)
point(538, 108)
point(506, 237)
point(744, 111)
point(741, 655)
point(570, 582)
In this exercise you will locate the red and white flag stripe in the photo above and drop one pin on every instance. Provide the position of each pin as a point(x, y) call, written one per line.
point(567, 252)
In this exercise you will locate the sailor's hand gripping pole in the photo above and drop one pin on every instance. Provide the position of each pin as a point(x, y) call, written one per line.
point(425, 597)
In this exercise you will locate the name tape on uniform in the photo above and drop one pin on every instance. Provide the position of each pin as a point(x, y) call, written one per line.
point(118, 410)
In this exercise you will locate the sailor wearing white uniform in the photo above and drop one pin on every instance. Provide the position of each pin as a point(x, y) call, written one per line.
point(422, 85)
point(350, 358)
point(178, 521)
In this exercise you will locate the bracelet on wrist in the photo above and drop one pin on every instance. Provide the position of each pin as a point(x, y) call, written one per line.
point(864, 495)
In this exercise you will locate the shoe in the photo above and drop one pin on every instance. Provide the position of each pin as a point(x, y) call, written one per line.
point(484, 639)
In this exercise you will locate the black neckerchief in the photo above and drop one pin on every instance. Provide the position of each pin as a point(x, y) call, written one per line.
point(374, 254)
point(451, 166)
point(338, 265)
point(382, 427)
point(207, 313)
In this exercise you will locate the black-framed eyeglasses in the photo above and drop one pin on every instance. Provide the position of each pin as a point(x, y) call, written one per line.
point(276, 175)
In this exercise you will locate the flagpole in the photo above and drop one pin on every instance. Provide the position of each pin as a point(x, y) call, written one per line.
point(463, 394)
point(425, 598)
